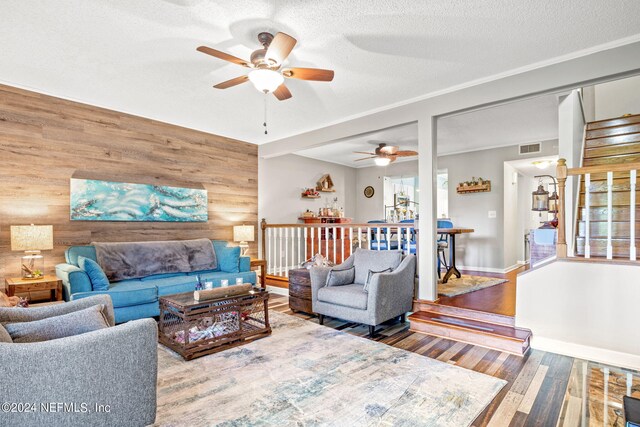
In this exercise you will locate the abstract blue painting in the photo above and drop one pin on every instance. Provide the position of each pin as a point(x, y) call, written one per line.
point(93, 200)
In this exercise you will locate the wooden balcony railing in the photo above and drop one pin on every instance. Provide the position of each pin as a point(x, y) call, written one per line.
point(286, 246)
point(614, 206)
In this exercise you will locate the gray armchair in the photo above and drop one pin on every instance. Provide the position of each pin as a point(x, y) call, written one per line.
point(114, 367)
point(387, 295)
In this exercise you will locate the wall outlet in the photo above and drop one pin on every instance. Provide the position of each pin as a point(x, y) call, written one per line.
point(492, 214)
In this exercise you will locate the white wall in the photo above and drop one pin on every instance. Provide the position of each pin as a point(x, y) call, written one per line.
point(484, 249)
point(570, 139)
point(584, 310)
point(513, 242)
point(616, 98)
point(281, 180)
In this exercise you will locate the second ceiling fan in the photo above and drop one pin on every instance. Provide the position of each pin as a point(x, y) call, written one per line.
point(266, 74)
point(385, 154)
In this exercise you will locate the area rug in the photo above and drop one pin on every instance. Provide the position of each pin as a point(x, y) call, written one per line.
point(310, 375)
point(466, 284)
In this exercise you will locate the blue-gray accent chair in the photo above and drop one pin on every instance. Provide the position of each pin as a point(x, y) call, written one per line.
point(115, 366)
point(387, 295)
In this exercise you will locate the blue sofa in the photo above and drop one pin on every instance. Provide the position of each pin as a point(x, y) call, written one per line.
point(138, 298)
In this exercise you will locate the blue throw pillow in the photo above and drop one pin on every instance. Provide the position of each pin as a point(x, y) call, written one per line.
point(228, 258)
point(99, 281)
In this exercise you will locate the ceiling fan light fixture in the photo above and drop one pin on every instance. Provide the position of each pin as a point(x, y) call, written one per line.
point(265, 80)
point(382, 161)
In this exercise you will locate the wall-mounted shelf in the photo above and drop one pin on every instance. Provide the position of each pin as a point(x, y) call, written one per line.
point(480, 188)
point(308, 196)
point(325, 191)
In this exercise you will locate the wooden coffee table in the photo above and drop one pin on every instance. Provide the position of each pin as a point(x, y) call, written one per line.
point(196, 328)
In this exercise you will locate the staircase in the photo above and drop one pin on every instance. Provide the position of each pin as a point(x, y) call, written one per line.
point(470, 326)
point(608, 142)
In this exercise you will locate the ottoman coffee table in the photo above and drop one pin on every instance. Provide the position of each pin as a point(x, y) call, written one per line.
point(196, 328)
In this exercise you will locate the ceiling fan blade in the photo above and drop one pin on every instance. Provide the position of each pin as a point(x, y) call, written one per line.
point(282, 92)
point(406, 153)
point(280, 47)
point(316, 74)
point(223, 56)
point(366, 158)
point(233, 82)
point(393, 158)
point(364, 152)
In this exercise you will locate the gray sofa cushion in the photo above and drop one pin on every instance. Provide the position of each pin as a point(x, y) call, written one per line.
point(348, 296)
point(66, 325)
point(4, 335)
point(365, 260)
point(341, 277)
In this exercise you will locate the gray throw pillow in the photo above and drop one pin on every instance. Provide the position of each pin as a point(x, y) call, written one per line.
point(341, 277)
point(4, 335)
point(370, 276)
point(66, 325)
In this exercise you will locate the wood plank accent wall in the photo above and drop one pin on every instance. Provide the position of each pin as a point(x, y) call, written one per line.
point(44, 141)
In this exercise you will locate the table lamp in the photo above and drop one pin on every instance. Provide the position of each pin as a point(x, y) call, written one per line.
point(32, 239)
point(243, 234)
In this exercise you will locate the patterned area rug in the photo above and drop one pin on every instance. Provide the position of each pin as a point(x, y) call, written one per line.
point(466, 284)
point(311, 375)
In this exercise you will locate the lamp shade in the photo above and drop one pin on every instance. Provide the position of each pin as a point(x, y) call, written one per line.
point(31, 237)
point(243, 233)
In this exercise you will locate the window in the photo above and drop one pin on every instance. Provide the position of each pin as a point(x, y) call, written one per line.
point(443, 194)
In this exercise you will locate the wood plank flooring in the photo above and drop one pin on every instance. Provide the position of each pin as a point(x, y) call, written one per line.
point(536, 385)
point(498, 299)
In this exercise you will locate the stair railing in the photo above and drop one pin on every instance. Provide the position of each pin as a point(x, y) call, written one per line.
point(287, 246)
point(563, 173)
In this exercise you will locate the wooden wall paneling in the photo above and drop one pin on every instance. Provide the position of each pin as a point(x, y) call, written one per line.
point(45, 141)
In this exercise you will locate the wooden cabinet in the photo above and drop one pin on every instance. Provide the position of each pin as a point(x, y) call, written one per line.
point(300, 290)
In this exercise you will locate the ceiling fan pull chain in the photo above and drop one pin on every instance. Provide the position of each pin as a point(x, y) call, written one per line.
point(265, 115)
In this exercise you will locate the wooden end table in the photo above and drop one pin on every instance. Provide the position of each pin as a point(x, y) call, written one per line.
point(48, 282)
point(262, 264)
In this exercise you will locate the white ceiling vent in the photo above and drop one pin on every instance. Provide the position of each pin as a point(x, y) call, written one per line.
point(530, 148)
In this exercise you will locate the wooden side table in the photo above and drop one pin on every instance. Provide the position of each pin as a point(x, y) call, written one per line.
point(262, 264)
point(300, 290)
point(15, 285)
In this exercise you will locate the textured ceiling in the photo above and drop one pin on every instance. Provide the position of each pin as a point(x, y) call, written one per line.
point(531, 120)
point(139, 56)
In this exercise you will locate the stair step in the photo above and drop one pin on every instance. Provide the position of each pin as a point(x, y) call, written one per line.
point(612, 150)
point(600, 185)
point(619, 198)
point(612, 160)
point(618, 213)
point(466, 313)
point(598, 247)
point(619, 229)
point(617, 121)
point(613, 140)
point(613, 131)
point(499, 337)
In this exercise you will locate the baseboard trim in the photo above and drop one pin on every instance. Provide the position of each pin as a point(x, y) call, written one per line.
point(278, 291)
point(594, 354)
point(489, 269)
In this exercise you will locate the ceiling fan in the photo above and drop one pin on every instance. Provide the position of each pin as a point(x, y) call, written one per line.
point(385, 154)
point(266, 74)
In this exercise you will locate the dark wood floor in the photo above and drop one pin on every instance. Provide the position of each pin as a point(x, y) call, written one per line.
point(498, 299)
point(536, 385)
